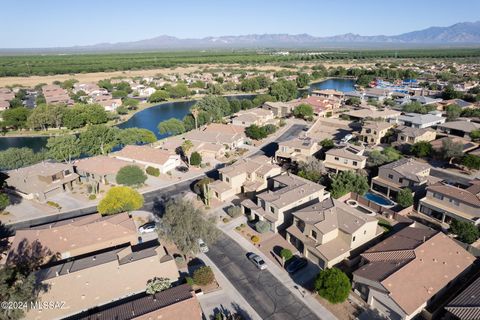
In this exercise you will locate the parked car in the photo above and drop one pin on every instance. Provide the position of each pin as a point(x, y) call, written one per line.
point(182, 169)
point(148, 227)
point(203, 246)
point(296, 263)
point(257, 261)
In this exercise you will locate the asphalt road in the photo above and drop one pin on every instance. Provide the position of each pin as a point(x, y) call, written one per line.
point(268, 296)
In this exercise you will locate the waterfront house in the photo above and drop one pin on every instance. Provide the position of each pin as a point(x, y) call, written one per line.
point(100, 169)
point(55, 94)
point(148, 156)
point(231, 136)
point(257, 116)
point(327, 231)
point(328, 94)
point(285, 194)
point(349, 157)
point(42, 180)
point(409, 271)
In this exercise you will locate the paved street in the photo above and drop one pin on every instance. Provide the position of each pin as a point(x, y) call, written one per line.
point(292, 132)
point(268, 296)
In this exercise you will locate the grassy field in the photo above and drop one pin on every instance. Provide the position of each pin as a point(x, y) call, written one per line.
point(43, 65)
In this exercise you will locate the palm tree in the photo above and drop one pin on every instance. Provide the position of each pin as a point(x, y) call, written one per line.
point(195, 112)
point(187, 145)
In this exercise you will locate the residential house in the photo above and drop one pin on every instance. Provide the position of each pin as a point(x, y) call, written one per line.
point(6, 94)
point(331, 128)
point(231, 136)
point(42, 180)
point(107, 101)
point(442, 105)
point(409, 135)
point(328, 94)
point(96, 279)
point(354, 94)
point(149, 157)
point(409, 270)
point(4, 105)
point(322, 106)
point(100, 169)
point(297, 149)
point(176, 303)
point(377, 94)
point(90, 88)
point(75, 237)
point(55, 94)
point(446, 202)
point(257, 116)
point(279, 109)
point(466, 305)
point(421, 121)
point(365, 114)
point(349, 157)
point(401, 174)
point(467, 144)
point(247, 176)
point(461, 128)
point(374, 132)
point(327, 231)
point(420, 99)
point(286, 193)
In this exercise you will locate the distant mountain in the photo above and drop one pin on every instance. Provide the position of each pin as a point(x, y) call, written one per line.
point(460, 34)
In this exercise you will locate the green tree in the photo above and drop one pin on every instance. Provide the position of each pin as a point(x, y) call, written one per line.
point(119, 94)
point(178, 91)
point(471, 161)
point(214, 108)
point(421, 149)
point(98, 139)
point(450, 93)
point(171, 126)
point(453, 112)
point(183, 224)
point(4, 201)
point(195, 159)
point(417, 107)
point(159, 96)
point(262, 226)
point(467, 232)
point(312, 169)
point(201, 189)
point(131, 176)
point(354, 101)
point(475, 135)
point(14, 158)
point(120, 199)
point(405, 198)
point(16, 118)
point(63, 148)
point(105, 84)
point(451, 149)
point(203, 276)
point(286, 254)
point(303, 79)
point(259, 132)
point(157, 285)
point(283, 90)
point(333, 285)
point(327, 144)
point(303, 111)
point(348, 181)
point(130, 103)
point(135, 136)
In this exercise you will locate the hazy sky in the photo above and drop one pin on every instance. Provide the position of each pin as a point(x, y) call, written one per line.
point(50, 23)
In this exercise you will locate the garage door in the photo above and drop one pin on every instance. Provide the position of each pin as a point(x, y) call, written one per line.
point(385, 310)
point(316, 259)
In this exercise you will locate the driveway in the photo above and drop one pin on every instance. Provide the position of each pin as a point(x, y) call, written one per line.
point(292, 132)
point(264, 292)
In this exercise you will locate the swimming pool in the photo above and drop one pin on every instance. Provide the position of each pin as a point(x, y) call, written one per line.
point(378, 199)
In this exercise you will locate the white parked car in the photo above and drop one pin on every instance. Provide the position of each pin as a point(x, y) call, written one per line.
point(148, 227)
point(203, 246)
point(257, 261)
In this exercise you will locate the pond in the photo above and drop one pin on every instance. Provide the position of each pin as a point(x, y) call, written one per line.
point(151, 117)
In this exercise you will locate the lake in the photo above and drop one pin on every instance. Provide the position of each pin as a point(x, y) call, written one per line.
point(151, 117)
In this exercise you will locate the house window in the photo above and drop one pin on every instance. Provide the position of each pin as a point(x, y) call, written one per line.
point(402, 138)
point(313, 234)
point(390, 176)
point(272, 209)
point(438, 196)
point(284, 149)
point(400, 180)
point(345, 161)
point(454, 201)
point(227, 179)
point(66, 172)
point(298, 150)
point(355, 163)
point(353, 239)
point(337, 159)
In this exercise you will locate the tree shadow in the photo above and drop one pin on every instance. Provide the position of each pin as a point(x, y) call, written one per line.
point(194, 264)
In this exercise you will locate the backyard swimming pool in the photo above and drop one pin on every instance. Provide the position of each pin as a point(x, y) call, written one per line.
point(378, 199)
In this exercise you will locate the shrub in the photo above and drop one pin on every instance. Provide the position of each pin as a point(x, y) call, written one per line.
point(131, 176)
point(54, 204)
point(234, 211)
point(153, 171)
point(92, 197)
point(405, 198)
point(120, 199)
point(225, 220)
point(255, 239)
point(4, 201)
point(179, 259)
point(195, 159)
point(243, 225)
point(262, 226)
point(286, 254)
point(203, 276)
point(333, 285)
point(238, 228)
point(189, 281)
point(466, 232)
point(157, 285)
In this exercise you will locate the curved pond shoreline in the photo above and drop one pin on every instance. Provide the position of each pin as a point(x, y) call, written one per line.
point(150, 116)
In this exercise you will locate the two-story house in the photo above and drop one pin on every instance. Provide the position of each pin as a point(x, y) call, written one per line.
point(246, 176)
point(349, 157)
point(42, 180)
point(297, 149)
point(286, 193)
point(373, 132)
point(328, 94)
point(257, 116)
point(326, 232)
point(279, 109)
point(400, 174)
point(446, 203)
point(409, 135)
point(416, 120)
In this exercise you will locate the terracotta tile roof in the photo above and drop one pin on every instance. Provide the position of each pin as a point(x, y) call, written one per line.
point(101, 165)
point(145, 154)
point(466, 305)
point(464, 195)
point(408, 168)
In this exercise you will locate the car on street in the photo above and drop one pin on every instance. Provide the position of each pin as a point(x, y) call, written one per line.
point(203, 246)
point(257, 261)
point(148, 227)
point(296, 263)
point(182, 169)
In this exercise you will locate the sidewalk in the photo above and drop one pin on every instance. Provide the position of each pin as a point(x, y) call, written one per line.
point(227, 298)
point(278, 272)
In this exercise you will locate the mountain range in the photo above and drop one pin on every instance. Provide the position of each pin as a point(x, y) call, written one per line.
point(460, 34)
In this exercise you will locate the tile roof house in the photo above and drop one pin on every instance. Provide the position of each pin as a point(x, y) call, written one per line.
point(327, 231)
point(176, 303)
point(400, 174)
point(279, 109)
point(321, 105)
point(55, 94)
point(460, 128)
point(42, 180)
point(446, 203)
point(416, 120)
point(149, 157)
point(297, 149)
point(99, 278)
point(349, 157)
point(406, 272)
point(4, 105)
point(246, 176)
point(362, 114)
point(466, 306)
point(258, 116)
point(220, 134)
point(284, 195)
point(373, 132)
point(467, 144)
point(328, 93)
point(409, 135)
point(101, 169)
point(459, 102)
point(78, 236)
